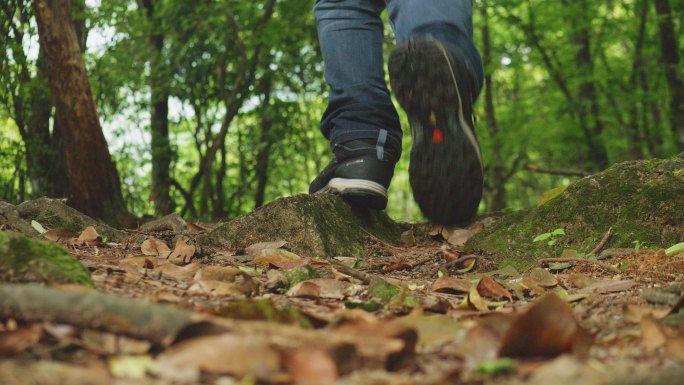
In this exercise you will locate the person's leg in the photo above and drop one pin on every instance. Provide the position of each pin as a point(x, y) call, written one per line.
point(350, 33)
point(436, 75)
point(360, 120)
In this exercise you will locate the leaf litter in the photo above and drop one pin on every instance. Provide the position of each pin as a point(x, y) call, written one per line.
point(443, 320)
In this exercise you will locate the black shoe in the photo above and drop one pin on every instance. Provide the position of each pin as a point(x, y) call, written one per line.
point(437, 89)
point(358, 175)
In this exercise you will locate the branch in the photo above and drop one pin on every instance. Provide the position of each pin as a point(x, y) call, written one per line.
point(550, 171)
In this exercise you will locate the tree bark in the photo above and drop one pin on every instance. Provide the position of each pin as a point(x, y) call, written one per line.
point(93, 180)
point(498, 178)
point(669, 49)
point(265, 143)
point(159, 122)
point(588, 103)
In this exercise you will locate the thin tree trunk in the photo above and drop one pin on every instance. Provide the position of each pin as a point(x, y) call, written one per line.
point(93, 180)
point(635, 134)
point(588, 103)
point(498, 182)
point(159, 121)
point(669, 49)
point(265, 143)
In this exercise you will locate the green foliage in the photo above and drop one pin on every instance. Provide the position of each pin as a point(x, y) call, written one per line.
point(550, 237)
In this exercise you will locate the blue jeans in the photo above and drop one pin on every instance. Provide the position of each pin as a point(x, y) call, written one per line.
point(350, 33)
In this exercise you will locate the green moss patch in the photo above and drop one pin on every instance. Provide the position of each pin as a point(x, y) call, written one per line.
point(641, 200)
point(23, 259)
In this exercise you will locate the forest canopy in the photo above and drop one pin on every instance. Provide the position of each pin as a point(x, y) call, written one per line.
point(211, 108)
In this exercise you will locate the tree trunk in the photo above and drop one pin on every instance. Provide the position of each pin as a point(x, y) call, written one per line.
point(669, 49)
point(264, 146)
point(498, 178)
point(588, 103)
point(93, 180)
point(159, 122)
point(636, 138)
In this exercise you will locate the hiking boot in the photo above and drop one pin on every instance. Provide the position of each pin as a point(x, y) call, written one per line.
point(360, 173)
point(437, 89)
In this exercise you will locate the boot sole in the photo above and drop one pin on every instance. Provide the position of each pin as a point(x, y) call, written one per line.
point(358, 192)
point(445, 170)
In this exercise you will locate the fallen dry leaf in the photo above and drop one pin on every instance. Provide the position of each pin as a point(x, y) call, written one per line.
point(180, 273)
point(89, 237)
point(155, 247)
point(225, 354)
point(280, 258)
point(182, 252)
point(652, 333)
point(446, 284)
point(489, 288)
point(543, 277)
point(217, 288)
point(675, 347)
point(634, 313)
point(609, 286)
point(311, 366)
point(223, 280)
point(19, 340)
point(194, 227)
point(319, 288)
point(141, 261)
point(549, 328)
point(476, 301)
point(60, 235)
point(254, 249)
point(457, 237)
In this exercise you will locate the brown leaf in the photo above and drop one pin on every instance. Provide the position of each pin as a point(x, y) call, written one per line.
point(635, 313)
point(652, 333)
point(223, 280)
point(311, 366)
point(182, 253)
point(155, 247)
point(195, 228)
point(141, 261)
point(446, 284)
point(19, 340)
point(61, 235)
point(280, 258)
point(476, 301)
point(254, 249)
point(319, 288)
point(549, 328)
point(483, 341)
point(225, 354)
point(457, 237)
point(89, 237)
point(184, 273)
point(609, 286)
point(675, 347)
point(543, 277)
point(489, 288)
point(435, 230)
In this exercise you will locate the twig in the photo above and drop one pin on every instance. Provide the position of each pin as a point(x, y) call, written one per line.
point(605, 266)
point(541, 170)
point(344, 269)
point(603, 242)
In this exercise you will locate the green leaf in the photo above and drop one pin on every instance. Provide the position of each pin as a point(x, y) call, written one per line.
point(676, 249)
point(39, 228)
point(440, 273)
point(496, 367)
point(412, 287)
point(357, 264)
point(558, 231)
point(551, 242)
point(542, 237)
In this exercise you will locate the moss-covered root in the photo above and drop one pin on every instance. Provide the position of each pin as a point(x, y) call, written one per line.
point(23, 259)
point(641, 200)
point(320, 225)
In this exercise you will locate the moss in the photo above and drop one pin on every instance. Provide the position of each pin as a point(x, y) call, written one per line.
point(320, 225)
point(265, 310)
point(640, 200)
point(382, 290)
point(299, 274)
point(28, 260)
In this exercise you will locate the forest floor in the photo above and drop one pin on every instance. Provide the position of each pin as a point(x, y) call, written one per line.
point(416, 313)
